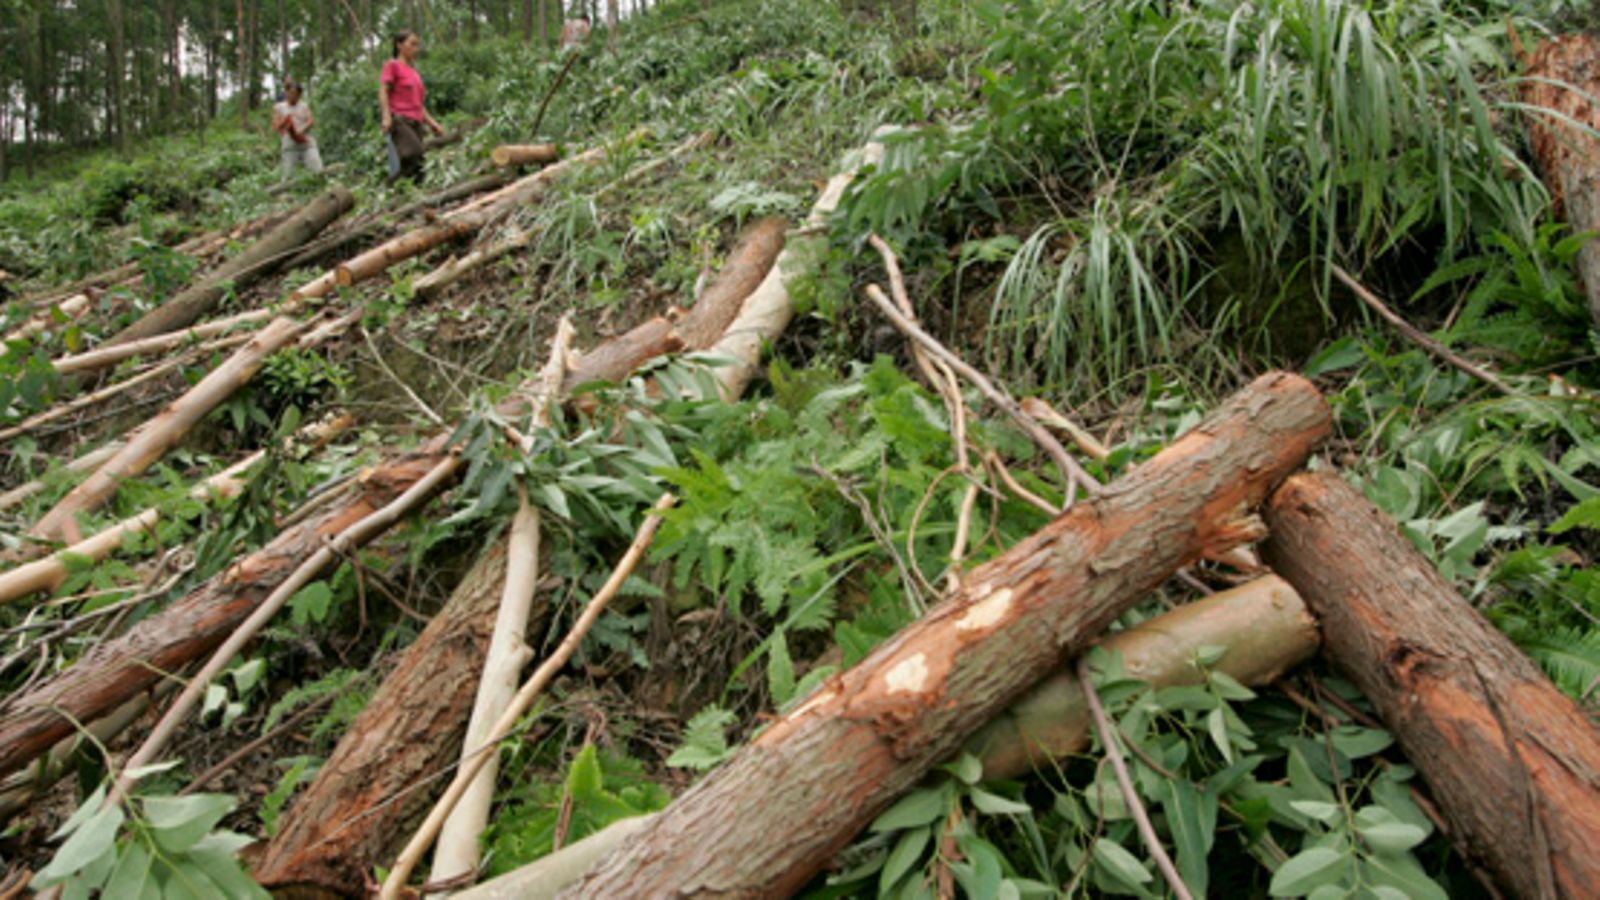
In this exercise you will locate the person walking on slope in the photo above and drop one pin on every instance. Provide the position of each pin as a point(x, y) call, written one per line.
point(574, 31)
point(292, 118)
point(401, 97)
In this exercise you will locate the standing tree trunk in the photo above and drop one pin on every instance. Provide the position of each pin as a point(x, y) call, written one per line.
point(1512, 761)
point(283, 42)
point(611, 26)
point(118, 123)
point(244, 58)
point(169, 22)
point(822, 772)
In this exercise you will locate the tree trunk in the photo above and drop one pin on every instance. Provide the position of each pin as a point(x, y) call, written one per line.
point(283, 42)
point(413, 727)
point(1561, 77)
point(118, 54)
point(156, 436)
point(242, 270)
point(611, 26)
point(169, 21)
point(1512, 761)
point(242, 40)
point(698, 329)
point(507, 155)
point(820, 773)
point(117, 670)
point(1263, 625)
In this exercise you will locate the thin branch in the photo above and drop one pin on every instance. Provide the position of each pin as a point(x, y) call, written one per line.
point(1416, 335)
point(355, 535)
point(526, 695)
point(379, 361)
point(1070, 470)
point(1108, 739)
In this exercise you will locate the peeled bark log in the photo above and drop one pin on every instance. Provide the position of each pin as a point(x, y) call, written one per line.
point(159, 434)
point(84, 463)
point(1263, 625)
point(414, 726)
point(117, 670)
point(1512, 762)
point(412, 243)
point(261, 257)
point(47, 574)
point(508, 155)
point(1561, 77)
point(106, 357)
point(823, 771)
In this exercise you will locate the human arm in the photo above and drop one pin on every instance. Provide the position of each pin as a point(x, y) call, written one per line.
point(431, 122)
point(383, 101)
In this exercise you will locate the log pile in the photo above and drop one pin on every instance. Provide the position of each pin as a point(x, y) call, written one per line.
point(1513, 764)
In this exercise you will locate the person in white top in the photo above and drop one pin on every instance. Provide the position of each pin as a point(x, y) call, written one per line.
point(574, 31)
point(292, 118)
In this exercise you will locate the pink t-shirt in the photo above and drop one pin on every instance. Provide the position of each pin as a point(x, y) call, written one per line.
point(405, 89)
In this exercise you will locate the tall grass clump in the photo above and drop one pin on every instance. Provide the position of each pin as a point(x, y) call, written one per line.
point(1160, 141)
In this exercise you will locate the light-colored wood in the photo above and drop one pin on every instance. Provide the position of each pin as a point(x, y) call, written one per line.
point(1263, 625)
point(508, 155)
point(151, 441)
point(823, 771)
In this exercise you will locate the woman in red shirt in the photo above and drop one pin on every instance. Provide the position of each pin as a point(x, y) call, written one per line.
point(400, 100)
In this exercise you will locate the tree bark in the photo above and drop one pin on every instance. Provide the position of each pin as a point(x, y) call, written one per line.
point(259, 259)
point(413, 727)
point(116, 45)
point(1561, 77)
point(823, 771)
point(1513, 762)
point(241, 39)
point(1263, 625)
point(507, 155)
point(117, 670)
point(155, 437)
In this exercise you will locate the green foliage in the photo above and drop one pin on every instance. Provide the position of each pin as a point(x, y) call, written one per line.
point(173, 850)
point(599, 789)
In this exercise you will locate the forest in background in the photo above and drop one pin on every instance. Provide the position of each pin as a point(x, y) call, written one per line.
point(1126, 211)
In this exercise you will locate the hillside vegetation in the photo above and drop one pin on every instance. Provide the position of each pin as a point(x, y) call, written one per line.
point(1126, 211)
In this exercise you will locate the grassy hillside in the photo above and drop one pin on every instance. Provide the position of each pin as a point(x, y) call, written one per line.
point(1126, 209)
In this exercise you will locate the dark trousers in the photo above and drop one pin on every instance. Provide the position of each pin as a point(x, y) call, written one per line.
point(407, 136)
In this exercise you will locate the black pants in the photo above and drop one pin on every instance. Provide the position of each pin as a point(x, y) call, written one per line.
point(407, 136)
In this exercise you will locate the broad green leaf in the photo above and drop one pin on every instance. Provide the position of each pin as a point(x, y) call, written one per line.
point(1119, 863)
point(584, 778)
point(996, 805)
point(967, 767)
point(1306, 871)
point(1586, 514)
point(1355, 742)
point(128, 879)
point(1317, 809)
point(95, 837)
point(1217, 726)
point(1192, 821)
point(780, 670)
point(920, 807)
point(905, 854)
point(177, 823)
point(1393, 837)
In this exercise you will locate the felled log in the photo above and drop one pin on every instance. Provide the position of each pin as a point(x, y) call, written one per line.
point(465, 220)
point(260, 258)
point(21, 787)
point(697, 329)
point(48, 573)
point(106, 357)
point(374, 223)
point(508, 155)
point(413, 727)
point(20, 494)
point(823, 771)
point(1559, 81)
point(1512, 762)
point(117, 670)
point(153, 439)
point(1263, 626)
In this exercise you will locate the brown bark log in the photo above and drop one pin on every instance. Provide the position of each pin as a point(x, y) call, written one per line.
point(1561, 76)
point(259, 259)
point(117, 670)
point(412, 243)
point(414, 726)
point(747, 265)
point(508, 155)
point(824, 770)
point(1512, 762)
point(155, 437)
point(1263, 625)
point(700, 327)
